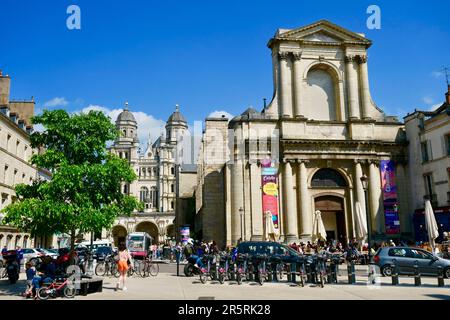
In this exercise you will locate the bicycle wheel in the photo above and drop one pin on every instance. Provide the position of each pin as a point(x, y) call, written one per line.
point(100, 269)
point(203, 278)
point(43, 293)
point(113, 270)
point(239, 278)
point(130, 272)
point(260, 277)
point(153, 269)
point(322, 280)
point(221, 278)
point(280, 269)
point(69, 292)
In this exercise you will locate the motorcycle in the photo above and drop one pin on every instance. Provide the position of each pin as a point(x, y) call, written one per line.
point(12, 266)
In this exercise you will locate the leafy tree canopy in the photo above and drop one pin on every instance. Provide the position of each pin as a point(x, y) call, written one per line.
point(84, 193)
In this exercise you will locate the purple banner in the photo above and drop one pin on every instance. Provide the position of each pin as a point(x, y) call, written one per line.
point(390, 199)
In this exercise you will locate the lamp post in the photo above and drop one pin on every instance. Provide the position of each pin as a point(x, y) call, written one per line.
point(365, 185)
point(241, 213)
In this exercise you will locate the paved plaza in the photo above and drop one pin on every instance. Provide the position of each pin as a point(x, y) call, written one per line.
point(167, 286)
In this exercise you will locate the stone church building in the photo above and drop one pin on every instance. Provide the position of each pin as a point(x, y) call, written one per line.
point(322, 132)
point(156, 170)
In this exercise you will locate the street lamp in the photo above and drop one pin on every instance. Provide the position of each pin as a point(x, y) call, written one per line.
point(241, 213)
point(365, 185)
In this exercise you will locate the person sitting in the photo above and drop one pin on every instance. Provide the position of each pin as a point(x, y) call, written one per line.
point(49, 274)
point(30, 272)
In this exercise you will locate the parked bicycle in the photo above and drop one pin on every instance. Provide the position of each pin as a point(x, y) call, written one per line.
point(149, 267)
point(260, 263)
point(57, 288)
point(107, 267)
point(207, 270)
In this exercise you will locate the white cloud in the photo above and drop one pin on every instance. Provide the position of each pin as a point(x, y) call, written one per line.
point(428, 100)
point(56, 102)
point(437, 74)
point(219, 114)
point(434, 107)
point(146, 123)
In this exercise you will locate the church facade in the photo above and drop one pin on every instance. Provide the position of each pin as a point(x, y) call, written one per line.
point(321, 132)
point(156, 170)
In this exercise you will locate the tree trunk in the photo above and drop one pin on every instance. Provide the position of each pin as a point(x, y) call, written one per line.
point(72, 239)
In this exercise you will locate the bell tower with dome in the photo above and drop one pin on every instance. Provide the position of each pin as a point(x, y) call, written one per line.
point(155, 168)
point(126, 145)
point(176, 126)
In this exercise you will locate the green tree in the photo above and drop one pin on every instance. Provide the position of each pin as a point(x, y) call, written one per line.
point(84, 193)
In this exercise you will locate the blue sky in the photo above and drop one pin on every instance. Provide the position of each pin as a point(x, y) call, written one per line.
point(206, 55)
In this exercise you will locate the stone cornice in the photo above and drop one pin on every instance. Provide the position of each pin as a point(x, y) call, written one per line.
point(342, 142)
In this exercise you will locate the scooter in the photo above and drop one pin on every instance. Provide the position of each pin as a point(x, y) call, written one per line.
point(12, 266)
point(190, 269)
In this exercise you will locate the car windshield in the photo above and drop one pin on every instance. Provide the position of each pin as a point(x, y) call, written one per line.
point(104, 250)
point(266, 248)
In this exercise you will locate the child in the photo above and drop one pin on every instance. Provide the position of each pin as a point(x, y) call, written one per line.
point(30, 272)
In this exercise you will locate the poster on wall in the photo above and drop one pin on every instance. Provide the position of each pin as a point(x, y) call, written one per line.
point(185, 234)
point(390, 199)
point(269, 185)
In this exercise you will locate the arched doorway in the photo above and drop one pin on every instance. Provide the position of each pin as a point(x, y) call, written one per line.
point(150, 228)
point(170, 233)
point(119, 234)
point(333, 216)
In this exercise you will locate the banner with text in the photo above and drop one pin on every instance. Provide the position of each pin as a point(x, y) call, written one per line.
point(390, 199)
point(270, 190)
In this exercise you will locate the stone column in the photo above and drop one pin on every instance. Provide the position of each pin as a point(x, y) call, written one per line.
point(290, 212)
point(352, 88)
point(376, 201)
point(306, 219)
point(298, 112)
point(365, 90)
point(237, 198)
point(359, 186)
point(256, 195)
point(285, 85)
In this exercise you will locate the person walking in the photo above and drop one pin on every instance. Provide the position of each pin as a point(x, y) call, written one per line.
point(123, 264)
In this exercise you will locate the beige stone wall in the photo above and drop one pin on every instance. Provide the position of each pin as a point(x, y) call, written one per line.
point(25, 110)
point(433, 134)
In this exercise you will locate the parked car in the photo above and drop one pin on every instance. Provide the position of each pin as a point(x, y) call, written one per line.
point(269, 248)
point(31, 255)
point(102, 252)
point(406, 257)
point(48, 253)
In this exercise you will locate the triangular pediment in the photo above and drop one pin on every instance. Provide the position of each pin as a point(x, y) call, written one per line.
point(322, 32)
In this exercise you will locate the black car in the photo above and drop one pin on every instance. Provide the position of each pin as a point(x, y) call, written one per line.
point(269, 248)
point(101, 253)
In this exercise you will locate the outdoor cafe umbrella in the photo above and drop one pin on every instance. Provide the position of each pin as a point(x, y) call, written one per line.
point(270, 229)
point(360, 222)
point(319, 232)
point(430, 223)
